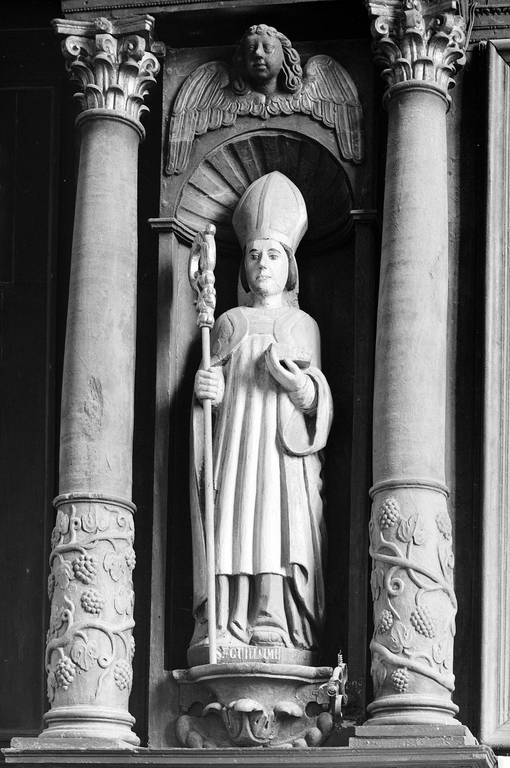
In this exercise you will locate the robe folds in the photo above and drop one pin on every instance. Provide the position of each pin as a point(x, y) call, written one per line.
point(267, 462)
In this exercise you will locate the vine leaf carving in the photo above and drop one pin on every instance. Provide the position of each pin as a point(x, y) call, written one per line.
point(62, 523)
point(84, 654)
point(377, 582)
point(95, 520)
point(51, 686)
point(63, 573)
point(123, 600)
point(114, 564)
point(379, 672)
point(438, 652)
point(411, 529)
point(400, 637)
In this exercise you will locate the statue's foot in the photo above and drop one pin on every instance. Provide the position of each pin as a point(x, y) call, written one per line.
point(267, 637)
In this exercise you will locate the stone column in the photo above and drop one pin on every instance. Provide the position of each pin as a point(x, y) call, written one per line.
point(420, 45)
point(90, 645)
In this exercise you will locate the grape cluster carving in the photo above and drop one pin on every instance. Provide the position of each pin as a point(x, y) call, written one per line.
point(385, 622)
point(65, 672)
point(389, 514)
point(423, 621)
point(130, 559)
point(444, 525)
point(92, 601)
point(85, 568)
point(122, 674)
point(400, 679)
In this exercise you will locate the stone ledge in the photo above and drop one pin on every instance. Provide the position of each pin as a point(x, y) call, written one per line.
point(477, 756)
point(415, 736)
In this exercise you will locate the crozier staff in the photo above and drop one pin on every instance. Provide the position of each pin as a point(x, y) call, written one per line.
point(273, 412)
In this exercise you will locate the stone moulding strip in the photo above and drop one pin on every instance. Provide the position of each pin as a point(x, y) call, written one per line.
point(495, 619)
point(163, 4)
point(93, 497)
point(413, 85)
point(492, 10)
point(427, 483)
point(111, 114)
point(476, 756)
point(170, 224)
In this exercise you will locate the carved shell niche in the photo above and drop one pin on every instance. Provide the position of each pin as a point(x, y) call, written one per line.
point(214, 189)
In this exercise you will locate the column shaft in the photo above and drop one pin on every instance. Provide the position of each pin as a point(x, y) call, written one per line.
point(420, 46)
point(90, 644)
point(410, 531)
point(410, 377)
point(98, 382)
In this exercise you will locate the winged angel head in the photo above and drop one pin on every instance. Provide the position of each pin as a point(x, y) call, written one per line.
point(265, 61)
point(265, 80)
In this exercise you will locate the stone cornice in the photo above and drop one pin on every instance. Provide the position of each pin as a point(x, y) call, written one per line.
point(420, 40)
point(112, 61)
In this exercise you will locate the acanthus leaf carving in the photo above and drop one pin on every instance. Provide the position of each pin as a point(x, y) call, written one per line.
point(422, 40)
point(112, 71)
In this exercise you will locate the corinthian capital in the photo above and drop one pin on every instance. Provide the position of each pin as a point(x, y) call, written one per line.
point(111, 61)
point(418, 40)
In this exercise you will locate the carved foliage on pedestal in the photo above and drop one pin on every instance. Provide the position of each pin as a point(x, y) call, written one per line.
point(414, 601)
point(418, 40)
point(89, 643)
point(255, 705)
point(112, 72)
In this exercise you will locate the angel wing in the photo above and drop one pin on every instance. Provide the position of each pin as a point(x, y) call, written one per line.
point(205, 102)
point(329, 95)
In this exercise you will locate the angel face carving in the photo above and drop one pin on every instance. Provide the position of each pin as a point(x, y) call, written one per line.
point(263, 60)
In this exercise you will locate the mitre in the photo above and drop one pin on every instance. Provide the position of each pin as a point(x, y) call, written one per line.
point(271, 208)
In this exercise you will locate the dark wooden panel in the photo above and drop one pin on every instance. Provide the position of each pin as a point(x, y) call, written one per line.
point(26, 401)
point(8, 102)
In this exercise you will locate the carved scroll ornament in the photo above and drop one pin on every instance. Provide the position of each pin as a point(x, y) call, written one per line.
point(215, 95)
point(418, 40)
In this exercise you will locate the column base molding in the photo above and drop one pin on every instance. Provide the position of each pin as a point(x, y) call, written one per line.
point(395, 737)
point(106, 724)
point(412, 710)
point(23, 753)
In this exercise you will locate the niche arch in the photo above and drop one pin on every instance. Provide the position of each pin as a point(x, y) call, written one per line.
point(214, 188)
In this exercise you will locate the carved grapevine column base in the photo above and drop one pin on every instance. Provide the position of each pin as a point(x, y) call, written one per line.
point(414, 605)
point(90, 644)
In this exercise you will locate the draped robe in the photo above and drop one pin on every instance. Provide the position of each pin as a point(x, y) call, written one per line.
point(267, 467)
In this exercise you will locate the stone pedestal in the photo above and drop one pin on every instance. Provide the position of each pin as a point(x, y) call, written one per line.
point(90, 644)
point(254, 704)
point(410, 529)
